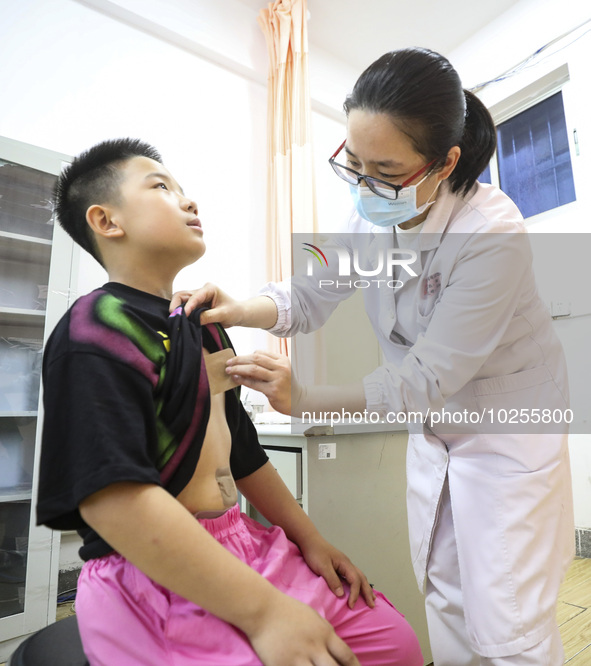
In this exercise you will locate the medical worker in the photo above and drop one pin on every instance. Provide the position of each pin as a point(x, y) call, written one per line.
point(489, 504)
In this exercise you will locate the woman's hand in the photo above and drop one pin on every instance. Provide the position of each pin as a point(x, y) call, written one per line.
point(334, 566)
point(223, 309)
point(270, 374)
point(257, 312)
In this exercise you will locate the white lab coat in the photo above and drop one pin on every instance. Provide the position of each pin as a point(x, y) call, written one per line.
point(470, 333)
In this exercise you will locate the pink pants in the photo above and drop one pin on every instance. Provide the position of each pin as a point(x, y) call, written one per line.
point(128, 620)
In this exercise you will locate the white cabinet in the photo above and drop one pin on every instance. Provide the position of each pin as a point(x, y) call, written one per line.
point(37, 265)
point(353, 487)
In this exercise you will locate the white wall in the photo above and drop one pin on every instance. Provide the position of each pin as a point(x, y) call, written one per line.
point(189, 77)
point(519, 32)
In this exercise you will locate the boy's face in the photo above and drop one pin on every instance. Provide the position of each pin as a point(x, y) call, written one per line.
point(159, 221)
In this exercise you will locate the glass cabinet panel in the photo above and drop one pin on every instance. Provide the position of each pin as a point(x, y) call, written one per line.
point(14, 530)
point(25, 200)
point(26, 231)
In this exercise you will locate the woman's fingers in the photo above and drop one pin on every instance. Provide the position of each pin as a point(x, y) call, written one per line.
point(266, 372)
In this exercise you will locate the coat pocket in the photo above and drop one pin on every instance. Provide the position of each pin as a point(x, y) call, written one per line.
point(526, 402)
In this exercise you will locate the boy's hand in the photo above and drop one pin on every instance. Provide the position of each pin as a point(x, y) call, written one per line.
point(334, 566)
point(295, 635)
point(223, 309)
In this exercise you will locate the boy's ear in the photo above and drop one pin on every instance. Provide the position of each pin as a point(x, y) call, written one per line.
point(102, 222)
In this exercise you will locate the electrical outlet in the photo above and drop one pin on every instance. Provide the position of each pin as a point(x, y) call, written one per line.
point(327, 451)
point(560, 308)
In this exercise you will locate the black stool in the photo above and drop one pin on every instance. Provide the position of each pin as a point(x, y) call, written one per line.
point(56, 645)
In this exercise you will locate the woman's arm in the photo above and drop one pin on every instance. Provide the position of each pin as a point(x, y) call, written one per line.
point(152, 530)
point(487, 303)
point(271, 374)
point(301, 303)
point(257, 312)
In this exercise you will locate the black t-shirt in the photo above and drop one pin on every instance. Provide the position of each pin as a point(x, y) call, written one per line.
point(126, 399)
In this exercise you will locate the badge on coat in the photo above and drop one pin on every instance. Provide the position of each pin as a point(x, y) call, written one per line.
point(432, 285)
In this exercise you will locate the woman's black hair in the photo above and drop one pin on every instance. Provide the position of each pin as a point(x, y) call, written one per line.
point(422, 93)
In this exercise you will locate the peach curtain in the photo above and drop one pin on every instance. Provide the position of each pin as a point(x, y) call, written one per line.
point(291, 197)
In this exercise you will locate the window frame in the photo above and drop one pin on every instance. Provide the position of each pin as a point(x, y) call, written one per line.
point(529, 96)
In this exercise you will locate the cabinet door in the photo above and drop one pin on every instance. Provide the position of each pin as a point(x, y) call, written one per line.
point(36, 262)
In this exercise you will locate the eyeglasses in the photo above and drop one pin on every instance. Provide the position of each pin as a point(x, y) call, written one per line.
point(380, 187)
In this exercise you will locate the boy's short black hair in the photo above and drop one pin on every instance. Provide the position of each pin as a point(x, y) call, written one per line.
point(94, 178)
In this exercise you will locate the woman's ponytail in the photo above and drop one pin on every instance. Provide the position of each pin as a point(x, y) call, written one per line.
point(478, 144)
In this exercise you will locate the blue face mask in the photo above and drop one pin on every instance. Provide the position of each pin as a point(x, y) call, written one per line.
point(388, 212)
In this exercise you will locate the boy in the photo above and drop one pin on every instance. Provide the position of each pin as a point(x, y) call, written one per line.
point(143, 448)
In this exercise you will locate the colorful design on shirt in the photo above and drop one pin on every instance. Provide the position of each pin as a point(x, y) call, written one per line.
point(100, 320)
point(171, 360)
point(166, 341)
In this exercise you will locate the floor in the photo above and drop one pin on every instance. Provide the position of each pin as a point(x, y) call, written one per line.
point(574, 613)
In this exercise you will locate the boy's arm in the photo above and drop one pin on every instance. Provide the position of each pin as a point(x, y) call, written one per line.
point(153, 531)
point(265, 490)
